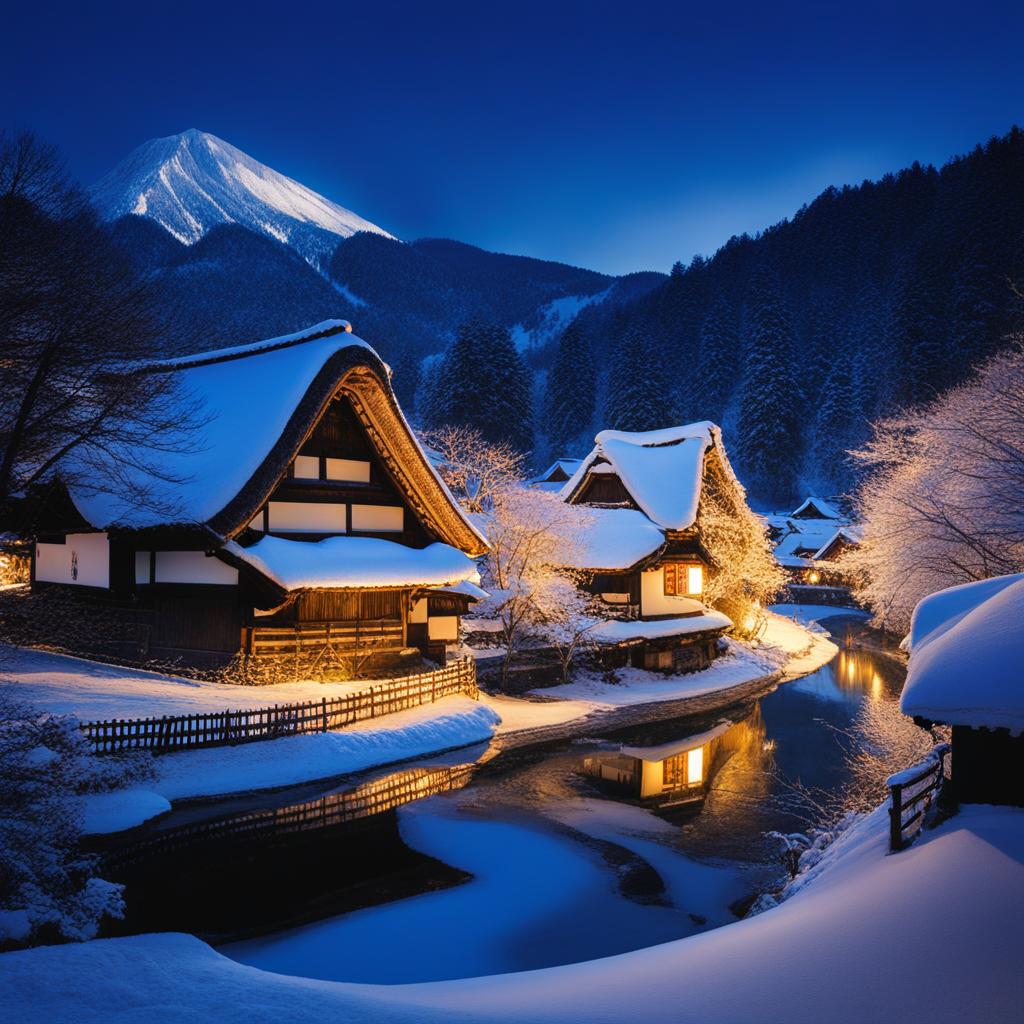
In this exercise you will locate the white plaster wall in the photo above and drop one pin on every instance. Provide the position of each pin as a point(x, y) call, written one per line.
point(82, 560)
point(653, 600)
point(307, 517)
point(443, 627)
point(419, 611)
point(192, 567)
point(378, 518)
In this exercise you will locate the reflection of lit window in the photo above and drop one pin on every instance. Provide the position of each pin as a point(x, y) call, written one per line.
point(695, 765)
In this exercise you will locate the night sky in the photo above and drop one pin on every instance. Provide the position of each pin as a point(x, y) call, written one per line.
point(617, 136)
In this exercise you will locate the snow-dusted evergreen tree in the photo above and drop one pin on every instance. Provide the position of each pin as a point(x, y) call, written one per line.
point(641, 393)
point(833, 421)
point(49, 889)
point(570, 393)
point(482, 383)
point(715, 379)
point(974, 308)
point(769, 425)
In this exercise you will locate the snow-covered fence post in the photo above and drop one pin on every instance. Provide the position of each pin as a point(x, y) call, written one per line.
point(324, 706)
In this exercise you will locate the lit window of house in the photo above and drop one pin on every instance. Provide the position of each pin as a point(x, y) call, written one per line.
point(684, 580)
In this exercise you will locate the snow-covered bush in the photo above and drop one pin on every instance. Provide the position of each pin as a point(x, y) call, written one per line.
point(941, 504)
point(531, 537)
point(746, 576)
point(49, 890)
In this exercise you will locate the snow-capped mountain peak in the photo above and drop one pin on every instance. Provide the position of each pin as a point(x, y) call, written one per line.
point(191, 182)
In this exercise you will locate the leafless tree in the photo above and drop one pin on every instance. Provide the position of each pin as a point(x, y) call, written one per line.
point(941, 503)
point(75, 320)
point(475, 469)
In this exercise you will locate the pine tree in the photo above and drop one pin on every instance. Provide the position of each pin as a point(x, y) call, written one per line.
point(769, 425)
point(715, 379)
point(505, 393)
point(832, 425)
point(917, 336)
point(570, 393)
point(637, 396)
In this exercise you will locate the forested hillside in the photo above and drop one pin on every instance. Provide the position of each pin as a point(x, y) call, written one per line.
point(871, 298)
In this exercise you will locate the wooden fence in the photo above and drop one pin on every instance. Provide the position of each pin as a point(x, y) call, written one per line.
point(366, 800)
point(220, 728)
point(913, 792)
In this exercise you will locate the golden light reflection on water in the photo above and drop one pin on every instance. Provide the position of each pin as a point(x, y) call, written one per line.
point(856, 672)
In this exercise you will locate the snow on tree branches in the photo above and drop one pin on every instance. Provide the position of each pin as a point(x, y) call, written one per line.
point(941, 504)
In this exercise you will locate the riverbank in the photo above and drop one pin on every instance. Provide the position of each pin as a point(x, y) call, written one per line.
point(864, 916)
point(589, 704)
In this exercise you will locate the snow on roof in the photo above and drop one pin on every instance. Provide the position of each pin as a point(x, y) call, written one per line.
point(242, 413)
point(468, 588)
point(354, 562)
point(617, 631)
point(827, 511)
point(967, 656)
point(661, 469)
point(670, 749)
point(246, 397)
point(850, 534)
point(614, 538)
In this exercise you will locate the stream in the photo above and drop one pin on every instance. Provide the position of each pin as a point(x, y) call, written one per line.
point(469, 864)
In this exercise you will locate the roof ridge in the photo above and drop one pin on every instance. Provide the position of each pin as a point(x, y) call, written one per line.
point(324, 329)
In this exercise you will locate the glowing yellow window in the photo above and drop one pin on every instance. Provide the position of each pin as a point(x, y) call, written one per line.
point(695, 765)
point(695, 579)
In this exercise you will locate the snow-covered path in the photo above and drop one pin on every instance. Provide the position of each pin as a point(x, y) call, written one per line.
point(930, 935)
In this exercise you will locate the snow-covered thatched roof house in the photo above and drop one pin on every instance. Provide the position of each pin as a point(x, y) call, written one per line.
point(967, 670)
point(643, 545)
point(809, 540)
point(556, 474)
point(302, 508)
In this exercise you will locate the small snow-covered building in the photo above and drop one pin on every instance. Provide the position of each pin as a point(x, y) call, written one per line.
point(555, 476)
point(808, 543)
point(967, 671)
point(303, 517)
point(641, 548)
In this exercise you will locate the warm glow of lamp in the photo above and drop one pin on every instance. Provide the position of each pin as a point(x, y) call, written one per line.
point(813, 576)
point(695, 579)
point(695, 765)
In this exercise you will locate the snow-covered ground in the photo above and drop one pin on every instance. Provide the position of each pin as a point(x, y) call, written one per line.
point(929, 935)
point(91, 691)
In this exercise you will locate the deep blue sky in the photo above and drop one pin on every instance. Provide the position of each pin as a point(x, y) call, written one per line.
point(618, 136)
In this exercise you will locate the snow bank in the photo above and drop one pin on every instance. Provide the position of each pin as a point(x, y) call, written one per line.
point(92, 691)
point(448, 723)
point(968, 668)
point(928, 936)
point(354, 562)
point(124, 808)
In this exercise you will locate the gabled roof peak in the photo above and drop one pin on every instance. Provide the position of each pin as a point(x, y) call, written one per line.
point(324, 329)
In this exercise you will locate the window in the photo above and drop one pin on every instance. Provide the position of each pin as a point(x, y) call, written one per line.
point(683, 580)
point(307, 467)
point(349, 470)
point(306, 517)
point(378, 518)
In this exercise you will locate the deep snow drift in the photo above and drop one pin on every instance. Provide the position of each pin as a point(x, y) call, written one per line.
point(929, 935)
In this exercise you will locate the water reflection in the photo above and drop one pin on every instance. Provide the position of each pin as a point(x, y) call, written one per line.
point(679, 771)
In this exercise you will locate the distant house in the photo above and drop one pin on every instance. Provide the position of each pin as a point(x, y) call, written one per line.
point(305, 519)
point(808, 542)
point(967, 671)
point(642, 549)
point(555, 476)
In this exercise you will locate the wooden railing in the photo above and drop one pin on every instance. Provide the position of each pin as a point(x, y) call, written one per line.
point(913, 792)
point(344, 637)
point(370, 798)
point(220, 728)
